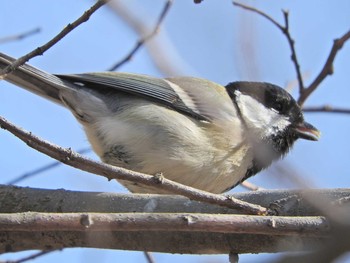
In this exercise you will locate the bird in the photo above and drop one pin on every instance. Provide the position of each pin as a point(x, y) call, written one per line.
point(191, 130)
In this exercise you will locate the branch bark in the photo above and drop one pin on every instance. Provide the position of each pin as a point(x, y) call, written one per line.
point(315, 226)
point(162, 223)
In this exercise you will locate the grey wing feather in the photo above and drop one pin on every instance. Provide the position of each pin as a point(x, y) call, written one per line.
point(151, 88)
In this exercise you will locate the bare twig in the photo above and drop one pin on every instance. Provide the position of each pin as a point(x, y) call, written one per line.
point(143, 40)
point(20, 36)
point(40, 50)
point(313, 226)
point(42, 169)
point(294, 57)
point(285, 31)
point(31, 257)
point(149, 257)
point(233, 257)
point(250, 186)
point(327, 68)
point(326, 109)
point(76, 160)
point(255, 10)
point(162, 51)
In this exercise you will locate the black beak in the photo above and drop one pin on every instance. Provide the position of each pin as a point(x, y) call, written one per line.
point(307, 131)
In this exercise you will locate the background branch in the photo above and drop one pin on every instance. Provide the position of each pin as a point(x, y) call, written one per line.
point(327, 68)
point(327, 109)
point(285, 30)
point(42, 169)
point(40, 50)
point(20, 36)
point(161, 49)
point(143, 40)
point(304, 92)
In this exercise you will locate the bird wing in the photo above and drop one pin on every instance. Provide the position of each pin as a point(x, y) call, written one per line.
point(184, 94)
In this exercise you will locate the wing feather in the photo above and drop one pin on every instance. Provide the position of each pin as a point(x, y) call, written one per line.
point(155, 89)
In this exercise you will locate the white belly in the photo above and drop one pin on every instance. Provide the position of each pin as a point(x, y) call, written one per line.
point(152, 139)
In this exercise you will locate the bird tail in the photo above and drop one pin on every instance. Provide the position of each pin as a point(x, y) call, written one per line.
point(35, 80)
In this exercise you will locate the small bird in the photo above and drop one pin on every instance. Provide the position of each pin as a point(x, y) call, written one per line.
point(191, 130)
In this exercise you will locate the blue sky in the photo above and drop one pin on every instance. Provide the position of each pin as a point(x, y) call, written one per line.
point(209, 40)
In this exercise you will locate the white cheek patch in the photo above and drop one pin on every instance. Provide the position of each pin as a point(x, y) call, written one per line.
point(263, 120)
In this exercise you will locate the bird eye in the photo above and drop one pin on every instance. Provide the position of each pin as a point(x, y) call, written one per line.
point(279, 106)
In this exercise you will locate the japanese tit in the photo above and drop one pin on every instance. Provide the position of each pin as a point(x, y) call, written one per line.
point(191, 130)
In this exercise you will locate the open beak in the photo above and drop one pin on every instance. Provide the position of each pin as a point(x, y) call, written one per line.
point(307, 131)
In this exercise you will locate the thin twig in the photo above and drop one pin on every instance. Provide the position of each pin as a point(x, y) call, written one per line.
point(31, 257)
point(20, 36)
point(76, 160)
point(294, 57)
point(250, 186)
point(327, 68)
point(42, 169)
point(149, 257)
point(233, 257)
point(143, 40)
point(326, 109)
point(255, 10)
point(40, 50)
point(161, 49)
point(285, 31)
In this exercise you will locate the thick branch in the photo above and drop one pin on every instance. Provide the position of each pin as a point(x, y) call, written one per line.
point(184, 232)
point(174, 222)
point(295, 203)
point(159, 241)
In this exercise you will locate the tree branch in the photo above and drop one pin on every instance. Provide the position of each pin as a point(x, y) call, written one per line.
point(76, 160)
point(15, 199)
point(42, 169)
point(250, 186)
point(20, 36)
point(326, 109)
point(161, 49)
point(285, 30)
point(175, 222)
point(40, 50)
point(327, 68)
point(147, 222)
point(143, 40)
point(31, 257)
